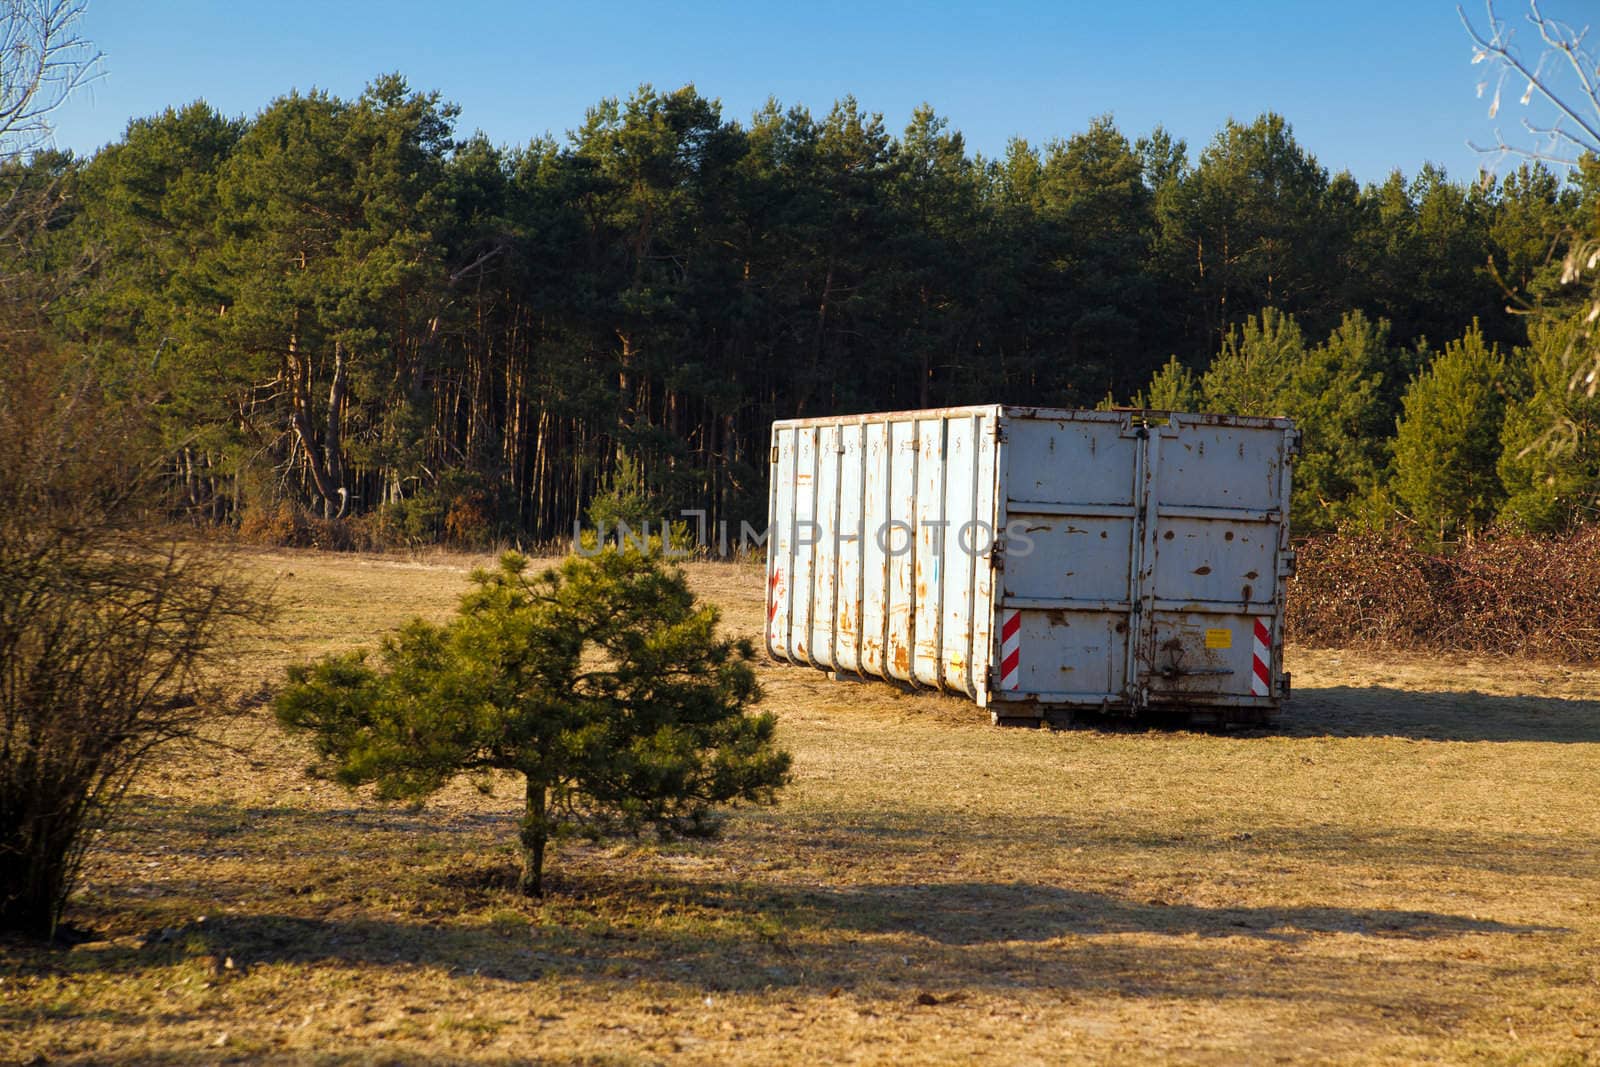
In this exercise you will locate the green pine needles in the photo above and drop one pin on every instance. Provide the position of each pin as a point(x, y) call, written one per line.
point(601, 681)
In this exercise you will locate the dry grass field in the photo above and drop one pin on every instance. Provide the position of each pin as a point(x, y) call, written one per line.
point(1406, 870)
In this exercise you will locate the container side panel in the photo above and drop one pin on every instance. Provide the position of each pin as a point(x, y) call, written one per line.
point(961, 541)
point(804, 535)
point(780, 523)
point(876, 562)
point(1218, 465)
point(988, 528)
point(847, 613)
point(1071, 557)
point(1205, 658)
point(928, 600)
point(826, 551)
point(900, 538)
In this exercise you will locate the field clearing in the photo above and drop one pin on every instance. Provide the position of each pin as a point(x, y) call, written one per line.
point(1407, 869)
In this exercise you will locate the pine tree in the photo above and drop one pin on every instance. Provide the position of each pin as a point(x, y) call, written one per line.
point(350, 311)
point(602, 682)
point(1249, 375)
point(1447, 441)
point(1172, 388)
point(1334, 395)
point(1550, 459)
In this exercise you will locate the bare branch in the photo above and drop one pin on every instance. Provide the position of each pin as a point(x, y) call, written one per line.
point(1561, 37)
point(1495, 47)
point(42, 60)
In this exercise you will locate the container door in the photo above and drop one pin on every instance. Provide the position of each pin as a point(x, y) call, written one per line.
point(1215, 503)
point(1070, 557)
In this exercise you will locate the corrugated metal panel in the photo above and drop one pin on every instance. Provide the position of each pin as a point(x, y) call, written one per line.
point(879, 534)
point(1034, 558)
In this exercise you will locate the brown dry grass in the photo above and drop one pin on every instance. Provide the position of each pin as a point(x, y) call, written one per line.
point(1407, 870)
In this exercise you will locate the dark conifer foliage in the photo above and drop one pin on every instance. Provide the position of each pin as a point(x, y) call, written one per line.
point(352, 312)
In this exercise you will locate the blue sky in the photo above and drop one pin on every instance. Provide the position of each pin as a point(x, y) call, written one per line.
point(1368, 86)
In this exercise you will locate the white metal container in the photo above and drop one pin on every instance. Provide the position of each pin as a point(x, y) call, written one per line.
point(1038, 560)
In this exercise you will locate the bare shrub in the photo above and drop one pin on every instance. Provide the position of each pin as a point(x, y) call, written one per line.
point(1361, 586)
point(104, 629)
point(282, 525)
point(1500, 593)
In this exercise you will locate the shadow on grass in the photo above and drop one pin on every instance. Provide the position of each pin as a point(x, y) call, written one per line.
point(1348, 711)
point(343, 844)
point(206, 824)
point(979, 935)
point(1377, 711)
point(983, 913)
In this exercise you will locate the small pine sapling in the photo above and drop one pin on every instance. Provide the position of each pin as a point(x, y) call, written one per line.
point(601, 681)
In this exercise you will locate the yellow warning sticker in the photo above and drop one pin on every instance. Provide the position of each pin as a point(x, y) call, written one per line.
point(1219, 638)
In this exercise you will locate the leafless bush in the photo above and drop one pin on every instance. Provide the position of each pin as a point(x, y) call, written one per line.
point(1502, 593)
point(1362, 586)
point(104, 629)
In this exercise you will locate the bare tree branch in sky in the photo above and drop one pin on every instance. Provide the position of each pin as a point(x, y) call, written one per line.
point(42, 60)
point(1563, 76)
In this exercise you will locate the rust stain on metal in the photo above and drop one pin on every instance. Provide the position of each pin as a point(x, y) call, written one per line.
point(872, 652)
point(1202, 571)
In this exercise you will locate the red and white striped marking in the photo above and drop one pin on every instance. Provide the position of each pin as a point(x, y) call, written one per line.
point(1261, 665)
point(1010, 649)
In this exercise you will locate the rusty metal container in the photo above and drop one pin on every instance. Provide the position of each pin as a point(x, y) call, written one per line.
point(1038, 560)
